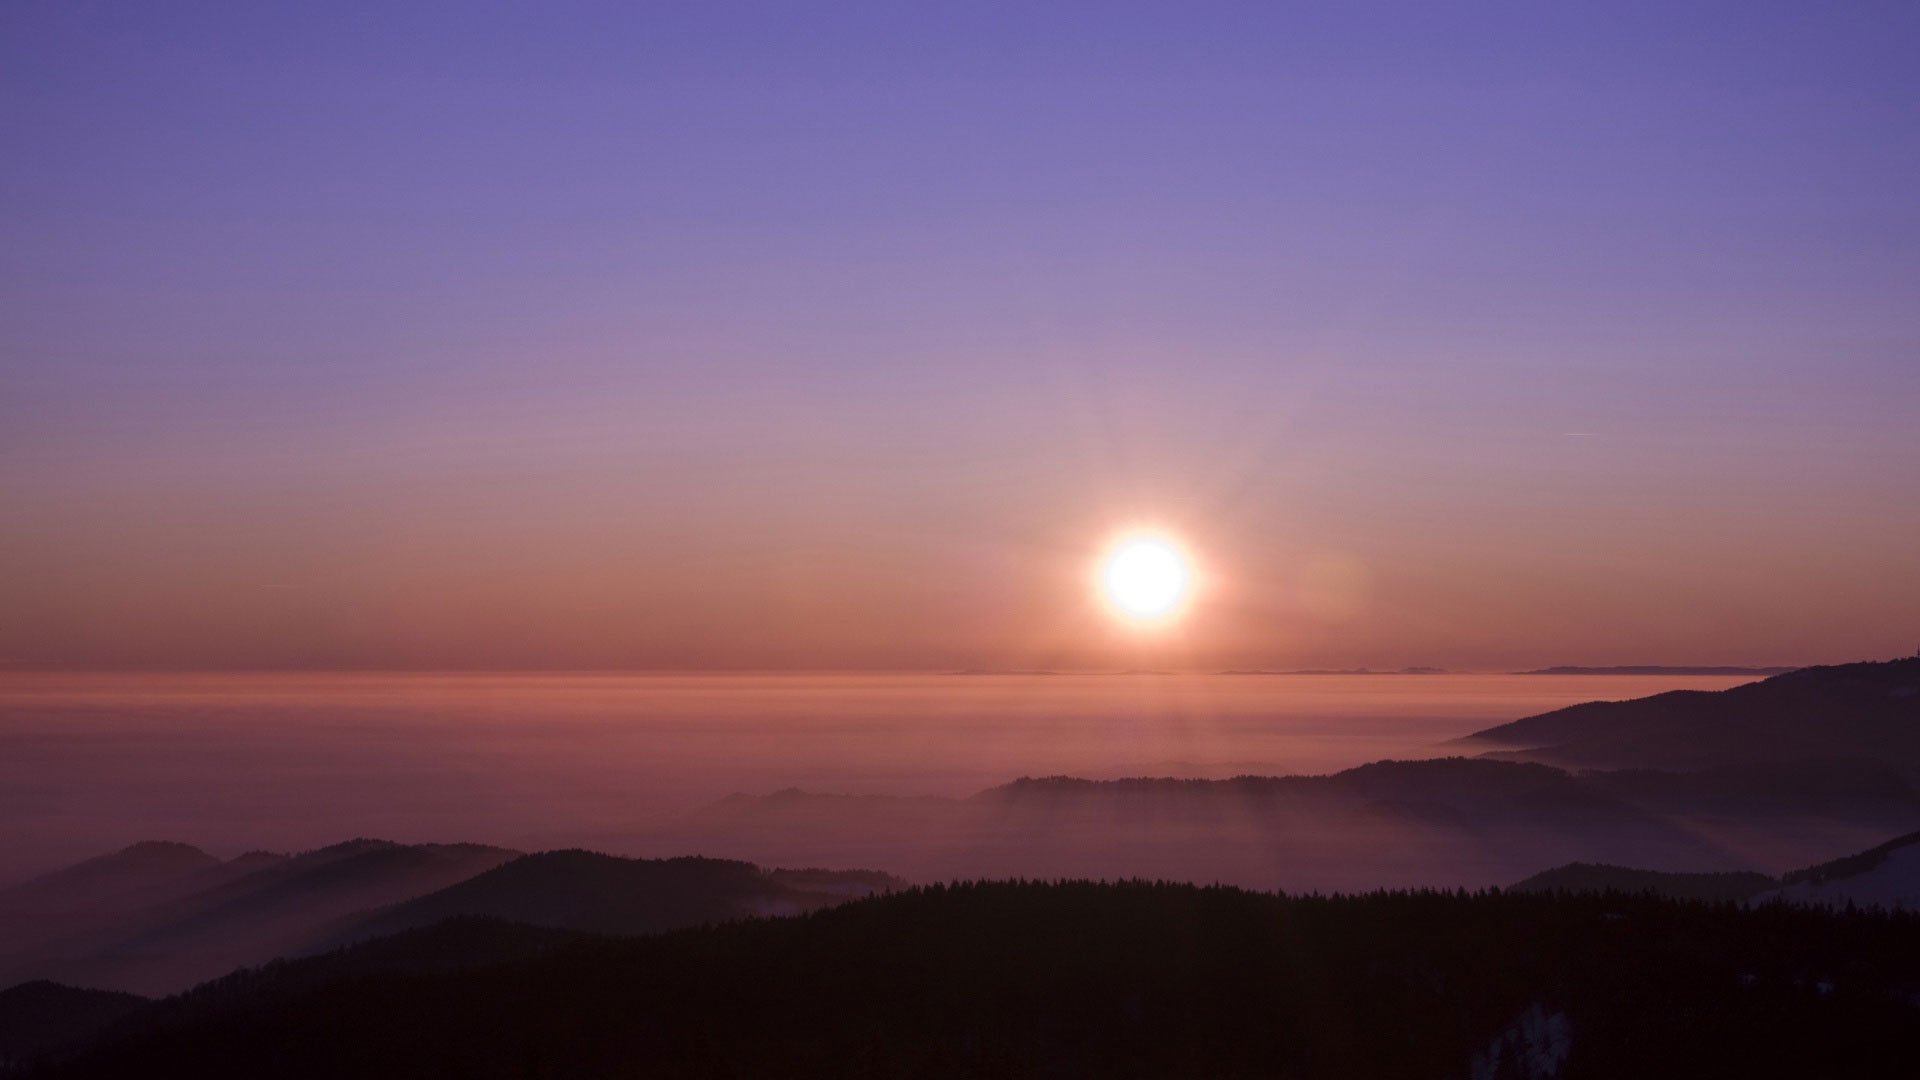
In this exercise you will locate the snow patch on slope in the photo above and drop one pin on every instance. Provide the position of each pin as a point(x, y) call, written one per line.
point(1894, 883)
point(1533, 1047)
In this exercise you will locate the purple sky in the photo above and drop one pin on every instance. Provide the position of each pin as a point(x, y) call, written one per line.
point(831, 335)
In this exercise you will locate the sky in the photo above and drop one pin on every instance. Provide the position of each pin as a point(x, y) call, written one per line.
point(711, 335)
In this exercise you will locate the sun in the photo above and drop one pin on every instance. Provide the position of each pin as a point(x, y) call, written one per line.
point(1146, 578)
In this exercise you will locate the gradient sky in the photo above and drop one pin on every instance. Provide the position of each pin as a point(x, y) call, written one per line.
point(716, 335)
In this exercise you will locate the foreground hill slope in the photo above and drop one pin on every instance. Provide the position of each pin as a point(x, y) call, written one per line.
point(1601, 878)
point(39, 1017)
point(1866, 711)
point(1079, 979)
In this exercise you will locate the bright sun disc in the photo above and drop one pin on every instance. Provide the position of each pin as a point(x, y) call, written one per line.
point(1145, 577)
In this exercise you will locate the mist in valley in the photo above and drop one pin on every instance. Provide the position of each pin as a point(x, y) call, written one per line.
point(653, 764)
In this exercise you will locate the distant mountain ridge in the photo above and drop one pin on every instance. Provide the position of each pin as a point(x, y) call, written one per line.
point(1450, 821)
point(144, 873)
point(1337, 671)
point(1783, 771)
point(1865, 712)
point(1656, 669)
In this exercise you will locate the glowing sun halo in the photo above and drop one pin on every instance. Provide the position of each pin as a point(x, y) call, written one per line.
point(1145, 577)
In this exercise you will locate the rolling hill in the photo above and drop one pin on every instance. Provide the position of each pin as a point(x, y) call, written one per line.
point(174, 936)
point(158, 917)
point(589, 892)
point(1728, 886)
point(1884, 876)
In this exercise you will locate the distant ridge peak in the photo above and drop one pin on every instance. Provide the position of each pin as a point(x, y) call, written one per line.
point(1657, 669)
point(161, 849)
point(360, 843)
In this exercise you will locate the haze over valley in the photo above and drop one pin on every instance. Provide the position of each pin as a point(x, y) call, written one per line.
point(288, 761)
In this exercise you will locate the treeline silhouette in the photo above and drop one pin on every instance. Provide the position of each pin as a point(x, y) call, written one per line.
point(1112, 980)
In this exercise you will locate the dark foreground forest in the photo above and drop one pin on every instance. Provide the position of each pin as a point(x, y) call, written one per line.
point(1080, 979)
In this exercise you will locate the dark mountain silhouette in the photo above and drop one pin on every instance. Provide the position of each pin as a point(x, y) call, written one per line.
point(1597, 878)
point(1863, 791)
point(1867, 712)
point(39, 1017)
point(1458, 792)
point(169, 930)
point(1109, 980)
point(591, 892)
